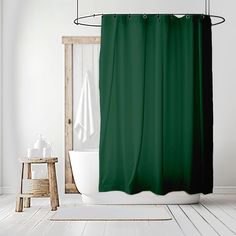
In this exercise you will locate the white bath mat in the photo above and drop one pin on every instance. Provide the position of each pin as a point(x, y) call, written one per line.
point(112, 213)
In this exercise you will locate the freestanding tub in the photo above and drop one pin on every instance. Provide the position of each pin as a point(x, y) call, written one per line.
point(85, 168)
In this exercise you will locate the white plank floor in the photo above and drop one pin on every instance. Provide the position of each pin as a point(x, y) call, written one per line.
point(215, 215)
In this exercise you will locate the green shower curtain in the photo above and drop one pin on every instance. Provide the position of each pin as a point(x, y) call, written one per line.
point(156, 104)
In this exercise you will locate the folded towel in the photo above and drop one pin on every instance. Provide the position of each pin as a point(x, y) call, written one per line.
point(84, 122)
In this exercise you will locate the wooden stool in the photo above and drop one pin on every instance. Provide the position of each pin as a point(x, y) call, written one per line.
point(37, 187)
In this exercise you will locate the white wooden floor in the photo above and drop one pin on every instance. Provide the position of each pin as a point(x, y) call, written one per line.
point(216, 215)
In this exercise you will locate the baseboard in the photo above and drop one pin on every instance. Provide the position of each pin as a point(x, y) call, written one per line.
point(7, 190)
point(224, 189)
point(216, 190)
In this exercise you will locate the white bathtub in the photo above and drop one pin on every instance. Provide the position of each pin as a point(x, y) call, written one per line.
point(85, 168)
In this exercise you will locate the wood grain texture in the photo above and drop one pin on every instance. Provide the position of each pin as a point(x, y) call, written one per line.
point(28, 176)
point(34, 195)
point(19, 204)
point(36, 186)
point(53, 186)
point(69, 118)
point(39, 160)
point(81, 40)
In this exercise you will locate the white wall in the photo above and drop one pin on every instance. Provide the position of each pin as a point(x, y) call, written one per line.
point(33, 76)
point(0, 96)
point(224, 49)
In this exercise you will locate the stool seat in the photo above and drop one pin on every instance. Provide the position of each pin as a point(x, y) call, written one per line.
point(39, 160)
point(37, 187)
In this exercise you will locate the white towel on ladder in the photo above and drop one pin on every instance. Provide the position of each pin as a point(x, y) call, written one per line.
point(84, 122)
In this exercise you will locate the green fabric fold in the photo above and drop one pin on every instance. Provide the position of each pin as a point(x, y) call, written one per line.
point(156, 104)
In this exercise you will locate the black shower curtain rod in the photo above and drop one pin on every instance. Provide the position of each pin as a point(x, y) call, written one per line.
point(78, 22)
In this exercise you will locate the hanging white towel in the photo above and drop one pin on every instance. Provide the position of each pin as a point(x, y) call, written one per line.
point(84, 122)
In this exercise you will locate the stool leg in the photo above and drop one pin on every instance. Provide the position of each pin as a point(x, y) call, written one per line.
point(28, 176)
point(19, 204)
point(55, 181)
point(19, 200)
point(26, 202)
point(52, 186)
